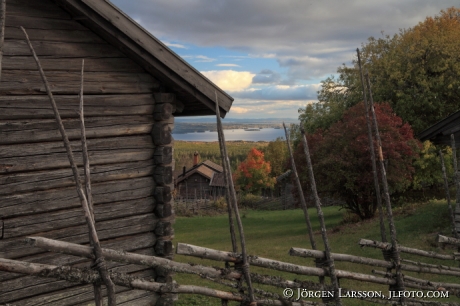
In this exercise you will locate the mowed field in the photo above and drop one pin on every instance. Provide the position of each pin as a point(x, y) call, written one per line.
point(271, 234)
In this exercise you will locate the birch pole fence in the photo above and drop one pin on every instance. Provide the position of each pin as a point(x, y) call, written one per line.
point(327, 247)
point(372, 152)
point(234, 203)
point(303, 203)
point(223, 154)
point(99, 259)
point(395, 248)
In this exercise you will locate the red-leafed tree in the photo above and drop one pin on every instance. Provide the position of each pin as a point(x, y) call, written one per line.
point(253, 173)
point(342, 162)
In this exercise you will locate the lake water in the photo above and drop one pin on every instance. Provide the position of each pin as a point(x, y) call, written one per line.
point(268, 134)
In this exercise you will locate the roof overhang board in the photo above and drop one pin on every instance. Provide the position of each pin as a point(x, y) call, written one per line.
point(440, 132)
point(118, 29)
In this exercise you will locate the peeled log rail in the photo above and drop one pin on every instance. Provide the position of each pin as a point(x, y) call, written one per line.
point(196, 251)
point(89, 276)
point(387, 246)
point(448, 240)
point(417, 282)
point(417, 267)
point(133, 258)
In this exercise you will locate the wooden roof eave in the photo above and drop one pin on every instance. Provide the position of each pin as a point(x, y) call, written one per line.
point(444, 127)
point(117, 28)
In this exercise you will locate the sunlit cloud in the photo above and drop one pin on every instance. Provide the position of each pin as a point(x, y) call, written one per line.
point(239, 110)
point(230, 80)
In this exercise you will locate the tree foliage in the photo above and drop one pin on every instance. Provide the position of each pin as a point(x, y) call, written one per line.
point(417, 71)
point(253, 173)
point(276, 154)
point(342, 163)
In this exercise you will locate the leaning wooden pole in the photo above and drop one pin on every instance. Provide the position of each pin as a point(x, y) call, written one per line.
point(299, 187)
point(372, 151)
point(98, 297)
point(395, 254)
point(234, 202)
point(81, 193)
point(446, 187)
point(2, 31)
point(457, 174)
point(327, 247)
point(223, 153)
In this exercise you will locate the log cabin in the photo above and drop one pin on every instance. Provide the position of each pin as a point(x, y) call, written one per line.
point(134, 87)
point(202, 180)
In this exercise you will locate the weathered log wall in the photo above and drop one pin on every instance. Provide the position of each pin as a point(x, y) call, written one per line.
point(130, 151)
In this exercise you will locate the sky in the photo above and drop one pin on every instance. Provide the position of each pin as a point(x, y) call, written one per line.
point(271, 55)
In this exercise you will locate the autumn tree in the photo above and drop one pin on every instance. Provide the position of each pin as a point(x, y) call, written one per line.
point(416, 71)
point(342, 163)
point(253, 173)
point(276, 154)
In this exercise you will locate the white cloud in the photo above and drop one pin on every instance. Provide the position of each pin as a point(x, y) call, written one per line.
point(230, 80)
point(173, 45)
point(199, 58)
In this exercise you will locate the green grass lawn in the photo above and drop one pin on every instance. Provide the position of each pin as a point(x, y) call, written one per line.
point(271, 234)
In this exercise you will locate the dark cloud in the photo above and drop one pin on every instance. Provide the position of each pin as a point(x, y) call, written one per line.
point(266, 76)
point(309, 38)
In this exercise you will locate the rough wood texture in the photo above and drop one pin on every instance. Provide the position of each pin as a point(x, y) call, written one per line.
point(50, 155)
point(56, 35)
point(163, 175)
point(119, 64)
point(51, 179)
point(65, 198)
point(161, 134)
point(36, 107)
point(97, 127)
point(163, 155)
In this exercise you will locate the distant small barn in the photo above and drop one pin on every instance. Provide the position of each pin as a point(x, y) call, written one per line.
point(134, 86)
point(203, 180)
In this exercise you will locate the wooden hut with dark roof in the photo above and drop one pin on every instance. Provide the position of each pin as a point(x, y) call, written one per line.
point(439, 133)
point(134, 86)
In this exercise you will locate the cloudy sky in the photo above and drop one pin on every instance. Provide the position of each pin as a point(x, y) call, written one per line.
point(270, 55)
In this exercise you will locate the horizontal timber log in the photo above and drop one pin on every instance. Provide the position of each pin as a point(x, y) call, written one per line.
point(59, 178)
point(111, 229)
point(96, 144)
point(32, 8)
point(372, 262)
point(119, 64)
point(32, 286)
point(387, 246)
point(31, 224)
point(65, 88)
point(66, 198)
point(31, 76)
point(37, 107)
point(88, 276)
point(196, 251)
point(43, 23)
point(141, 244)
point(60, 49)
point(113, 255)
point(448, 240)
point(75, 36)
point(96, 127)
